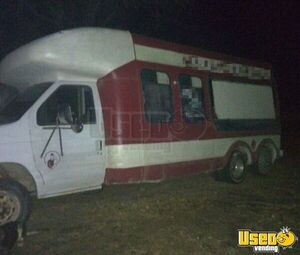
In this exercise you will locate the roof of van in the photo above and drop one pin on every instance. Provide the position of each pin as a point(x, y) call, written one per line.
point(82, 53)
point(91, 53)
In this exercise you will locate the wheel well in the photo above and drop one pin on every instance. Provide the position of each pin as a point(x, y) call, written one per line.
point(18, 173)
point(245, 151)
point(243, 148)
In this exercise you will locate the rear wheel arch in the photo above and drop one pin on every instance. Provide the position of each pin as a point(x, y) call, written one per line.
point(265, 156)
point(235, 169)
point(235, 162)
point(241, 147)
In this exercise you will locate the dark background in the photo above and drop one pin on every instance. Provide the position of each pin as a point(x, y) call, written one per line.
point(262, 30)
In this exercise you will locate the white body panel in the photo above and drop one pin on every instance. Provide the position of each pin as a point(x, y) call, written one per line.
point(82, 165)
point(79, 54)
point(15, 146)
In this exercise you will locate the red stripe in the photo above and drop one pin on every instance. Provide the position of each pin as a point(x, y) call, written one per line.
point(160, 172)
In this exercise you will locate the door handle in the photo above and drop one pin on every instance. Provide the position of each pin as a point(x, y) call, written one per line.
point(99, 145)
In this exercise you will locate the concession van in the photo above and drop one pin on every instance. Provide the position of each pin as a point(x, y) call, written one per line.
point(92, 106)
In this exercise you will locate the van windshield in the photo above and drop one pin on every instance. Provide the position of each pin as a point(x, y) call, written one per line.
point(7, 93)
point(14, 103)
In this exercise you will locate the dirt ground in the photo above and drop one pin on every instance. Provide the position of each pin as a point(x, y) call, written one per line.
point(191, 215)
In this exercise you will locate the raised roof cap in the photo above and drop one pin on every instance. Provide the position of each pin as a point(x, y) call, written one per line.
point(82, 53)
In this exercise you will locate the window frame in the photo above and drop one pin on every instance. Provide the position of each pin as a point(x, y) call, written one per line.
point(229, 125)
point(183, 116)
point(171, 119)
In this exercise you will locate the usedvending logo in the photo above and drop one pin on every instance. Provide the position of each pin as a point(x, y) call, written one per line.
point(267, 241)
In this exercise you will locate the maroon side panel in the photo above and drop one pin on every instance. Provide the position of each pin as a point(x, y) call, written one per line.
point(121, 97)
point(123, 109)
point(160, 172)
point(153, 173)
point(129, 175)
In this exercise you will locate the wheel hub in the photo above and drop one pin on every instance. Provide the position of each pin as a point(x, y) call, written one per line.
point(9, 207)
point(238, 168)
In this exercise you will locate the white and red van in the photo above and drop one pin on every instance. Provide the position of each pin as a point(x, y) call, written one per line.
point(92, 106)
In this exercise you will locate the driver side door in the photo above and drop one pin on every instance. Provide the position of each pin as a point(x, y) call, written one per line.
point(69, 161)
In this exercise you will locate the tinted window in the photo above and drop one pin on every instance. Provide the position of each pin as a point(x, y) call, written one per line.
point(191, 98)
point(157, 96)
point(80, 98)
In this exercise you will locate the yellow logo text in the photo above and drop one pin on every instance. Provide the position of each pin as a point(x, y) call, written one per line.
point(267, 241)
point(249, 238)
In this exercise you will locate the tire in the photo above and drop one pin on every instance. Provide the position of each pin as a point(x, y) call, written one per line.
point(264, 161)
point(8, 237)
point(14, 202)
point(235, 170)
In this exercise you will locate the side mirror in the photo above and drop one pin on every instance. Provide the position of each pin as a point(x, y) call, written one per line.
point(65, 117)
point(77, 126)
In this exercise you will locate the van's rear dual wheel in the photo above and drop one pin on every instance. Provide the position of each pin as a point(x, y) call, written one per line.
point(265, 161)
point(14, 202)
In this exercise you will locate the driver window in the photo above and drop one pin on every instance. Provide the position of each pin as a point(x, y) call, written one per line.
point(80, 98)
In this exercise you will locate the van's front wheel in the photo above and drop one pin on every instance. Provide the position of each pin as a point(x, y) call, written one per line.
point(14, 202)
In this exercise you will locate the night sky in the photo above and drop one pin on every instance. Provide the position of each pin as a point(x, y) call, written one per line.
point(262, 30)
